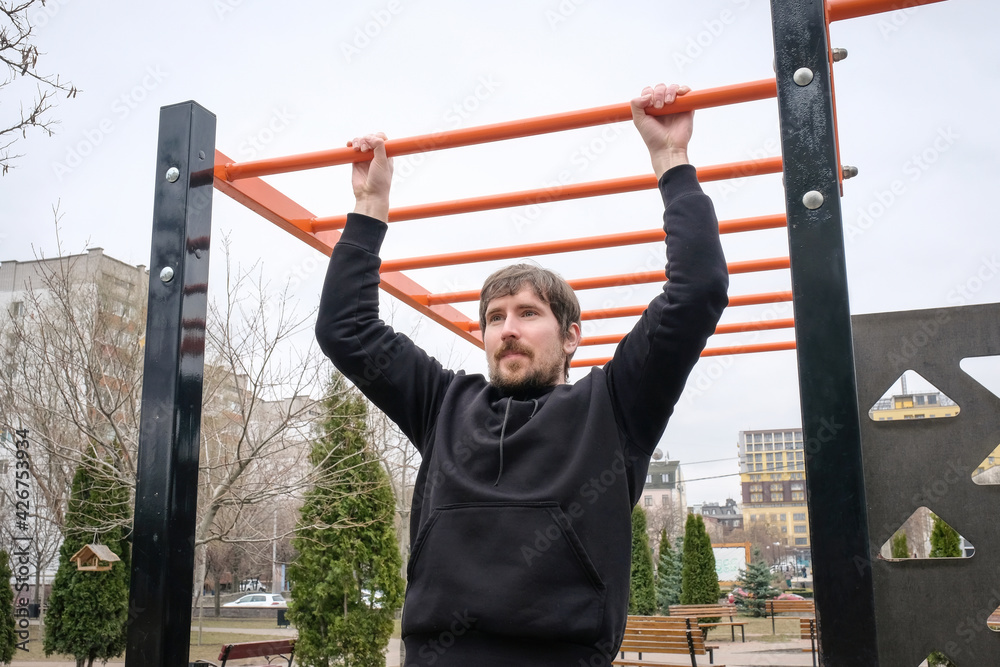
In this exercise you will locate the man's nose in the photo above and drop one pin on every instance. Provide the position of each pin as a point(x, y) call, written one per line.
point(510, 329)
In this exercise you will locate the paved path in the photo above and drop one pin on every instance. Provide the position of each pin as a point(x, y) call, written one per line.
point(764, 654)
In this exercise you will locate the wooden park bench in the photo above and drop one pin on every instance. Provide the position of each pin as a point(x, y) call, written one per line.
point(807, 630)
point(662, 635)
point(711, 611)
point(272, 649)
point(772, 607)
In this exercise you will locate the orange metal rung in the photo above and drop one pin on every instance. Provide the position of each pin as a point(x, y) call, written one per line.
point(696, 99)
point(570, 245)
point(840, 10)
point(635, 311)
point(711, 352)
point(741, 327)
point(613, 186)
point(638, 278)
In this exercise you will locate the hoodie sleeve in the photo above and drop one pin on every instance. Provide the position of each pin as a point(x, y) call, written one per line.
point(389, 368)
point(652, 363)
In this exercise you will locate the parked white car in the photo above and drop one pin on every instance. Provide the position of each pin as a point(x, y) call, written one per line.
point(258, 601)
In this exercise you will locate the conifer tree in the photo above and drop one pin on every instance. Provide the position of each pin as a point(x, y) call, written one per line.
point(88, 611)
point(900, 548)
point(755, 580)
point(347, 582)
point(699, 581)
point(642, 592)
point(668, 574)
point(8, 630)
point(945, 541)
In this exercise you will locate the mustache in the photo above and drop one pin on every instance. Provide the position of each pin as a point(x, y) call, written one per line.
point(512, 346)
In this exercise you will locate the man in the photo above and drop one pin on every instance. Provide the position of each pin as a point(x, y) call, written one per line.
point(521, 530)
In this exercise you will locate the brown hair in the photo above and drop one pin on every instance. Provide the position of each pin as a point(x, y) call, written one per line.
point(547, 285)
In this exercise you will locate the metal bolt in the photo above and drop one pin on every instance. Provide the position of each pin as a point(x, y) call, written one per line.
point(803, 76)
point(167, 274)
point(173, 174)
point(838, 54)
point(849, 171)
point(812, 200)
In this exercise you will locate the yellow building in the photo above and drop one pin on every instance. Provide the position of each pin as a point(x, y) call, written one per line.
point(773, 480)
point(927, 405)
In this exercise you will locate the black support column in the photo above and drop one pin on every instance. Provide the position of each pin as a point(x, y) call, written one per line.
point(167, 487)
point(842, 573)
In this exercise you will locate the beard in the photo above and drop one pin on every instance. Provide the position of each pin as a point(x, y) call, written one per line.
point(542, 376)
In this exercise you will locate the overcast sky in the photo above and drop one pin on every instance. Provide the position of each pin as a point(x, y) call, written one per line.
point(916, 98)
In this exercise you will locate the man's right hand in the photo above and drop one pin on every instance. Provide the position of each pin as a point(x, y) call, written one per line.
point(372, 179)
point(666, 136)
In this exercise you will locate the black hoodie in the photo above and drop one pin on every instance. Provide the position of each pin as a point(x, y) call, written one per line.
point(521, 518)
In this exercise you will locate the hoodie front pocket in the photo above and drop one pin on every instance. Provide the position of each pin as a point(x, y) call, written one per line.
point(511, 569)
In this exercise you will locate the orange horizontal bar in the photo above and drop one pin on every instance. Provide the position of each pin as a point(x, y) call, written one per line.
point(612, 186)
point(758, 299)
point(623, 311)
point(840, 10)
point(638, 278)
point(711, 352)
point(749, 349)
point(635, 311)
point(696, 99)
point(741, 327)
point(570, 245)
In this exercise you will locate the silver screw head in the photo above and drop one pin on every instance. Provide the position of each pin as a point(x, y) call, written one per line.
point(173, 174)
point(849, 171)
point(838, 54)
point(803, 76)
point(812, 200)
point(167, 274)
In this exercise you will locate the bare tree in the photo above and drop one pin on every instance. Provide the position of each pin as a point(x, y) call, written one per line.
point(669, 516)
point(73, 348)
point(69, 352)
point(19, 55)
point(401, 462)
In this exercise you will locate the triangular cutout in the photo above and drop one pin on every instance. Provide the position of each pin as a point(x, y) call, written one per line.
point(988, 472)
point(937, 659)
point(984, 370)
point(925, 535)
point(912, 397)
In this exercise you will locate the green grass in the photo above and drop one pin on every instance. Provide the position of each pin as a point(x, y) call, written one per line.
point(253, 623)
point(759, 630)
point(211, 643)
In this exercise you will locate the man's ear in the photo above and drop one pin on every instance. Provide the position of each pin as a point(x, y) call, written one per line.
point(572, 339)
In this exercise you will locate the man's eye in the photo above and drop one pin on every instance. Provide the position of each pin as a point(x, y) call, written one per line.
point(493, 318)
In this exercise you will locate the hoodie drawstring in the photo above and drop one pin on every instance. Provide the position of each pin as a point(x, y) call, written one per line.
point(503, 431)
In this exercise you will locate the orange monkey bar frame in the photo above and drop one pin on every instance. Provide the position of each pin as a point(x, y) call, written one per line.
point(242, 181)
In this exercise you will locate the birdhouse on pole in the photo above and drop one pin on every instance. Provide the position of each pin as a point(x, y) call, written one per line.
point(94, 558)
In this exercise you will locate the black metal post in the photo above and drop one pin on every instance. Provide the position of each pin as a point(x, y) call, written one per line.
point(842, 573)
point(167, 485)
